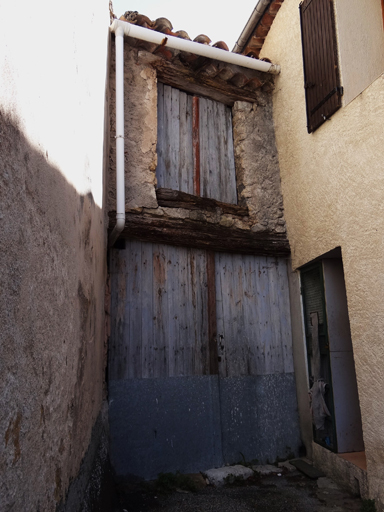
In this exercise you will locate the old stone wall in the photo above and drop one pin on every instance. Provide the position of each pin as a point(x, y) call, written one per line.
point(257, 168)
point(52, 247)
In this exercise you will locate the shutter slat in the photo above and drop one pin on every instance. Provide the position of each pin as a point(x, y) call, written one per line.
point(321, 78)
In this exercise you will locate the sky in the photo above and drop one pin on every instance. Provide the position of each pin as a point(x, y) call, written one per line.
point(219, 21)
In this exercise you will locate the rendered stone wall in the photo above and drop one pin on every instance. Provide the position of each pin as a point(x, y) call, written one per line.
point(333, 190)
point(52, 246)
point(257, 168)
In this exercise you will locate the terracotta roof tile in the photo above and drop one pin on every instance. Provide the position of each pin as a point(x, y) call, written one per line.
point(260, 32)
point(241, 78)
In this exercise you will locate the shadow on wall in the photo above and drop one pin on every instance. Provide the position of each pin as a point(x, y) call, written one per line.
point(53, 267)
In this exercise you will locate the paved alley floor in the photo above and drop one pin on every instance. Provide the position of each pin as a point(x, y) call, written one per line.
point(283, 492)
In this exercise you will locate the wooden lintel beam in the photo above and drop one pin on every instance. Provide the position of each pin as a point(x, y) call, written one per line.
point(202, 235)
point(208, 85)
point(170, 198)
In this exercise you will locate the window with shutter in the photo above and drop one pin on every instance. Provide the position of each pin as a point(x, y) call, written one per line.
point(195, 146)
point(321, 76)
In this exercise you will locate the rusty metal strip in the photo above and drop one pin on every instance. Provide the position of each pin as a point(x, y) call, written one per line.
point(196, 145)
point(212, 321)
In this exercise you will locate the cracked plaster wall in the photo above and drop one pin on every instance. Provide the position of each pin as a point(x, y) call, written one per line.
point(52, 246)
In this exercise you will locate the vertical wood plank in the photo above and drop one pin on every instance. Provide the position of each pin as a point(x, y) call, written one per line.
point(228, 327)
point(276, 353)
point(263, 310)
point(239, 342)
point(221, 151)
point(118, 356)
point(200, 320)
point(192, 325)
point(174, 140)
point(257, 312)
point(285, 315)
point(186, 146)
point(266, 316)
point(147, 309)
point(167, 149)
point(160, 299)
point(249, 315)
point(204, 153)
point(191, 288)
point(160, 169)
point(196, 122)
point(190, 163)
point(183, 273)
point(171, 326)
point(230, 158)
point(212, 324)
point(214, 178)
point(220, 315)
point(134, 303)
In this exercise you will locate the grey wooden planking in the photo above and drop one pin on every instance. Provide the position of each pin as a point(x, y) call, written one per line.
point(285, 314)
point(186, 149)
point(174, 139)
point(159, 309)
point(175, 149)
point(146, 310)
point(253, 317)
point(160, 313)
point(217, 164)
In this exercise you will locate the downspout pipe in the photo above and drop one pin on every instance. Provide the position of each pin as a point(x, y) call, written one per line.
point(120, 171)
point(255, 17)
point(146, 34)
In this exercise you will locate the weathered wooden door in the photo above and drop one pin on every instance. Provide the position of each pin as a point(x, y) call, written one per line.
point(195, 382)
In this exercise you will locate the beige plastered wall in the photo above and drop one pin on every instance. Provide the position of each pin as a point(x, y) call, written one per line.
point(52, 244)
point(333, 192)
point(360, 37)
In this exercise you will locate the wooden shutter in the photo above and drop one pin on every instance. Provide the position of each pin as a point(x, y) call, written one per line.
point(174, 139)
point(195, 146)
point(321, 76)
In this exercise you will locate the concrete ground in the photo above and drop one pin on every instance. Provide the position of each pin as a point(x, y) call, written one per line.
point(286, 491)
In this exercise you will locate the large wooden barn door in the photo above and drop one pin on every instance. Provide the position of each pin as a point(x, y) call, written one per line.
point(200, 363)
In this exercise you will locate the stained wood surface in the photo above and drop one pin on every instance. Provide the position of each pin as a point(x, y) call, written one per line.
point(176, 199)
point(174, 139)
point(184, 312)
point(202, 235)
point(212, 320)
point(253, 316)
point(195, 146)
point(217, 163)
point(160, 308)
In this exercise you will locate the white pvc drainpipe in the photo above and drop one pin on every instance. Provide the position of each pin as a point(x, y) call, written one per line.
point(121, 29)
point(120, 171)
point(204, 50)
